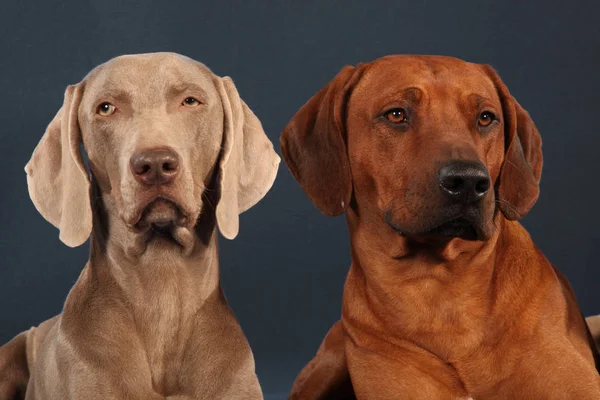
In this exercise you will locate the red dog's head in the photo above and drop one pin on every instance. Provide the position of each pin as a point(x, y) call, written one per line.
point(429, 146)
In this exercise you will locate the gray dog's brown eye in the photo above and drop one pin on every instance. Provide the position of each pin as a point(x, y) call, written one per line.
point(485, 119)
point(190, 102)
point(396, 115)
point(105, 109)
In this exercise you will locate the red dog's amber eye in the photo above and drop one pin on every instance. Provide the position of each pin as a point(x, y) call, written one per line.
point(396, 115)
point(486, 118)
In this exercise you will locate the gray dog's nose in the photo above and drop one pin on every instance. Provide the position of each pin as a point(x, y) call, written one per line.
point(155, 166)
point(464, 180)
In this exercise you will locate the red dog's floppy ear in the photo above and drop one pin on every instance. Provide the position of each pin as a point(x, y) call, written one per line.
point(314, 147)
point(518, 183)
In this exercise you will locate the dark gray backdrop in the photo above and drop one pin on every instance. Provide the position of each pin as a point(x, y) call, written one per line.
point(284, 273)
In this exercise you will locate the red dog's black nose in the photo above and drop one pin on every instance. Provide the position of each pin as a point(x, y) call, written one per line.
point(155, 166)
point(464, 180)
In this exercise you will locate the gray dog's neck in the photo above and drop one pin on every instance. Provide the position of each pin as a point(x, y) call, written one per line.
point(120, 257)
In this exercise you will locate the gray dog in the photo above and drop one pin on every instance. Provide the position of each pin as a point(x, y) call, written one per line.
point(173, 152)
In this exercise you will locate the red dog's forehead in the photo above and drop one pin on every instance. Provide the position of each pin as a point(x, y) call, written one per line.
point(388, 77)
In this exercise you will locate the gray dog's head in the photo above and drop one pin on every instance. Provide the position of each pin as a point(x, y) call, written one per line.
point(156, 128)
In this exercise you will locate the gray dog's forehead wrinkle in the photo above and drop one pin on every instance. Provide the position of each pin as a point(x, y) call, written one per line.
point(148, 67)
point(150, 74)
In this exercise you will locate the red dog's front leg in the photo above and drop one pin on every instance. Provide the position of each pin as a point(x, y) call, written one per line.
point(326, 376)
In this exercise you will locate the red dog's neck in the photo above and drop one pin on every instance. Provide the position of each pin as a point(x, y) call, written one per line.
point(439, 296)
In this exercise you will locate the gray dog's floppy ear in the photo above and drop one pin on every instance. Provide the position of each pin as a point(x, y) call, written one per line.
point(314, 147)
point(518, 183)
point(248, 163)
point(58, 182)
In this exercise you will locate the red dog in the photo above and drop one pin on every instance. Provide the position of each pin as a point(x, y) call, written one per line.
point(434, 162)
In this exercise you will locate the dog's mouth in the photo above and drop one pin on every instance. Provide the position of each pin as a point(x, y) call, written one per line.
point(457, 227)
point(161, 213)
point(163, 224)
point(160, 219)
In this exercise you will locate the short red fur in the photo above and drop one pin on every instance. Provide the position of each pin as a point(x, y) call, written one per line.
point(431, 315)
